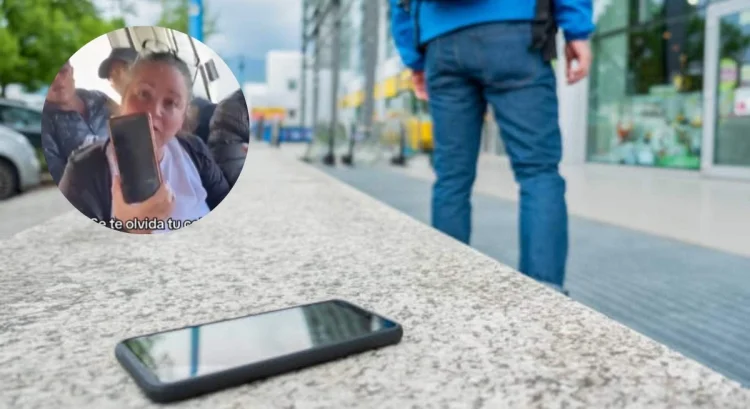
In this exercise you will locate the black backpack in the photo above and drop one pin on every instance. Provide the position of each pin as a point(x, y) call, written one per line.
point(543, 31)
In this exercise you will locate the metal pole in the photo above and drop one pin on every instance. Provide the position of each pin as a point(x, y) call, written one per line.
point(303, 71)
point(315, 36)
point(400, 158)
point(371, 32)
point(195, 22)
point(330, 158)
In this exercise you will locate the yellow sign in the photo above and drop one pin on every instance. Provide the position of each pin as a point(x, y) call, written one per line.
point(268, 112)
point(390, 87)
point(358, 98)
point(344, 102)
point(352, 100)
point(404, 81)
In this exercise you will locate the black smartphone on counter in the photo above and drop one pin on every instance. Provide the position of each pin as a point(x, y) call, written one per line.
point(186, 362)
point(131, 138)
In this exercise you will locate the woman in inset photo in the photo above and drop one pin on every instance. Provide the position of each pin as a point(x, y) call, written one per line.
point(160, 84)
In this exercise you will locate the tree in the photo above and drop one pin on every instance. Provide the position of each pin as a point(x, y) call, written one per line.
point(649, 49)
point(733, 43)
point(38, 36)
point(175, 15)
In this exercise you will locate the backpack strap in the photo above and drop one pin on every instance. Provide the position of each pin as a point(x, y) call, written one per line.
point(544, 30)
point(422, 48)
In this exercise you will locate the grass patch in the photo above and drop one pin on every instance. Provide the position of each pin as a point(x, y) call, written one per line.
point(42, 160)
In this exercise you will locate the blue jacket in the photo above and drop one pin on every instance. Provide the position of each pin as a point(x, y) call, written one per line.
point(438, 17)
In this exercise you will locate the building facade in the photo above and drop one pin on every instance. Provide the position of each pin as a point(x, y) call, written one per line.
point(669, 87)
point(279, 97)
point(277, 102)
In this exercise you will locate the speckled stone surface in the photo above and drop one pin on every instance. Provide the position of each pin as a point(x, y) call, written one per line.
point(477, 334)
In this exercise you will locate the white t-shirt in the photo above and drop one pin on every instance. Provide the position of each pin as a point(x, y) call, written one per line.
point(179, 173)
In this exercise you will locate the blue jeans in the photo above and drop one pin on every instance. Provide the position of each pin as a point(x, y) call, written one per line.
point(492, 64)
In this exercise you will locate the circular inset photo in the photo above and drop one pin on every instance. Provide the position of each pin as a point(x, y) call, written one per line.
point(145, 130)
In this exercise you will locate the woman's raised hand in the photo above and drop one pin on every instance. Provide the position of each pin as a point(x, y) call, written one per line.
point(135, 216)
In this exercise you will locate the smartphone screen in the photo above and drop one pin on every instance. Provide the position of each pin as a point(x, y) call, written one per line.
point(136, 160)
point(181, 354)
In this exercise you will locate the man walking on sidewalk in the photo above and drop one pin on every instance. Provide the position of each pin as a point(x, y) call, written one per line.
point(466, 54)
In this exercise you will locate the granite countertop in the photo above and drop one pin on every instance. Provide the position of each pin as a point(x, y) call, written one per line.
point(476, 333)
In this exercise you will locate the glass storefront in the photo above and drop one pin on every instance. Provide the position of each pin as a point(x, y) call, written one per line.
point(646, 84)
point(646, 94)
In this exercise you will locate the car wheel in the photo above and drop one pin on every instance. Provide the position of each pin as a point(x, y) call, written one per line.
point(8, 180)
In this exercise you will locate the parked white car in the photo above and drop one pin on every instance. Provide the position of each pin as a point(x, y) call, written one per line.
point(20, 169)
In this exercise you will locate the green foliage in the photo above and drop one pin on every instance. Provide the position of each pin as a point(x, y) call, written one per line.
point(175, 15)
point(38, 36)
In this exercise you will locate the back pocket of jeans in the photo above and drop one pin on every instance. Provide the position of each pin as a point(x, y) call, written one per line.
point(508, 61)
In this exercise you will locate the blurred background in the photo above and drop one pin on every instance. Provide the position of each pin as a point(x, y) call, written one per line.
point(656, 140)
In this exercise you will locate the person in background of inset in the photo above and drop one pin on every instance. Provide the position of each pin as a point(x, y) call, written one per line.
point(71, 118)
point(160, 84)
point(201, 112)
point(466, 55)
point(230, 135)
point(116, 67)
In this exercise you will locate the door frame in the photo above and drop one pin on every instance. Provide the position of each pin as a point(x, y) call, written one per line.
point(711, 64)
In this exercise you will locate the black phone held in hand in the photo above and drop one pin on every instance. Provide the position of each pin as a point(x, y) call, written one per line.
point(132, 141)
point(186, 362)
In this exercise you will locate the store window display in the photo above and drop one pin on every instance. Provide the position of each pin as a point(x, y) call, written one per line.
point(732, 133)
point(646, 86)
point(647, 80)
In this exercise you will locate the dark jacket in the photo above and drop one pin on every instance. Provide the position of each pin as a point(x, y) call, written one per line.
point(63, 132)
point(205, 110)
point(230, 129)
point(87, 181)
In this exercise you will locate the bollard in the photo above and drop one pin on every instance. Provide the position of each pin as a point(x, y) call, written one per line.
point(276, 134)
point(348, 158)
point(330, 157)
point(400, 158)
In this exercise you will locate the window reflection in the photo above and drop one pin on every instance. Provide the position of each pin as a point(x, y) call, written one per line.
point(732, 145)
point(646, 93)
point(647, 80)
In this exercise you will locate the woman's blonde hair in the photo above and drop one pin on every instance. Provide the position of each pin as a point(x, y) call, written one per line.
point(170, 58)
point(165, 57)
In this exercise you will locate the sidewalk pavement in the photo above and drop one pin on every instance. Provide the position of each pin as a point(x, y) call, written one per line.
point(691, 298)
point(680, 205)
point(675, 204)
point(646, 274)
